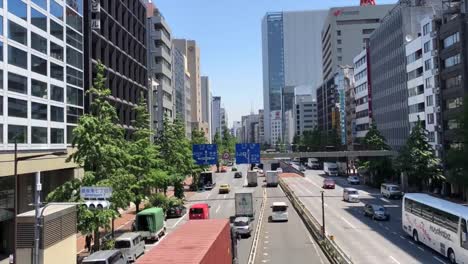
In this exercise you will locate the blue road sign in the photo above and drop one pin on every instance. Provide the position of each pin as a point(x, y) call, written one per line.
point(205, 154)
point(247, 153)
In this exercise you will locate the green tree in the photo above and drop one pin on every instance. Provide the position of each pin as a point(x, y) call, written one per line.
point(198, 137)
point(218, 141)
point(374, 140)
point(456, 156)
point(297, 143)
point(418, 161)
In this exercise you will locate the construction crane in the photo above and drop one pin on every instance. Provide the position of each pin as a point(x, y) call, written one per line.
point(367, 2)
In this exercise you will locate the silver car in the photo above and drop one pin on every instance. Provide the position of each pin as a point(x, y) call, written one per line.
point(243, 226)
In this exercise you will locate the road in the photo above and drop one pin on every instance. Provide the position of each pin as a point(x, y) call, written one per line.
point(286, 242)
point(363, 239)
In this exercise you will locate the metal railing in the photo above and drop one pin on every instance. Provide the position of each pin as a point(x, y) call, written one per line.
point(253, 250)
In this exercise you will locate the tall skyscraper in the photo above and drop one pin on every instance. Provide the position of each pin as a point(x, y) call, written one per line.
point(181, 80)
point(118, 40)
point(41, 99)
point(291, 45)
point(346, 32)
point(216, 116)
point(160, 66)
point(206, 102)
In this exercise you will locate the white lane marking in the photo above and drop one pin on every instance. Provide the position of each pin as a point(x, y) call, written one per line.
point(224, 196)
point(394, 260)
point(438, 259)
point(346, 221)
point(420, 248)
point(387, 228)
point(217, 209)
point(385, 200)
point(265, 254)
point(411, 243)
point(316, 250)
point(309, 180)
point(178, 221)
point(402, 237)
point(395, 233)
point(391, 205)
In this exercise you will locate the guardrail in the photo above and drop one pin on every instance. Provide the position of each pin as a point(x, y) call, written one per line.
point(253, 250)
point(333, 252)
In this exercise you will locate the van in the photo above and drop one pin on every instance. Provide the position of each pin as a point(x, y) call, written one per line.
point(150, 223)
point(199, 211)
point(279, 212)
point(350, 195)
point(390, 191)
point(106, 257)
point(131, 244)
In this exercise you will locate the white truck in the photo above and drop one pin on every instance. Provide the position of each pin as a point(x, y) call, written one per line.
point(252, 178)
point(244, 204)
point(330, 168)
point(272, 178)
point(312, 163)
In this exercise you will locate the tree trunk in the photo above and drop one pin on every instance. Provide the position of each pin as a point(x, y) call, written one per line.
point(97, 238)
point(137, 205)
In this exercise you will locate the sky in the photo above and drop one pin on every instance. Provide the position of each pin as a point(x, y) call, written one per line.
point(228, 33)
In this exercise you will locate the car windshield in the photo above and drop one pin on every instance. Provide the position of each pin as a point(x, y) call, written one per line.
point(379, 209)
point(196, 210)
point(329, 181)
point(240, 223)
point(352, 192)
point(394, 188)
point(122, 244)
point(279, 208)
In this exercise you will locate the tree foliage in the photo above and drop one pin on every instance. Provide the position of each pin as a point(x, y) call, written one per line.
point(374, 140)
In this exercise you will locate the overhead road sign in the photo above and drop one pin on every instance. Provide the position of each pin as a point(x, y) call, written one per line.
point(205, 154)
point(247, 153)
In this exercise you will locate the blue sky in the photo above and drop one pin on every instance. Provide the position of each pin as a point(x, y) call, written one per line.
point(229, 35)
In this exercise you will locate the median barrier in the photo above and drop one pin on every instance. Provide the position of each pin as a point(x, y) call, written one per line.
point(333, 252)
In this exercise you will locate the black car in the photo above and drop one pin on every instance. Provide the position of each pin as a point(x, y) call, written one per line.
point(377, 212)
point(238, 174)
point(176, 211)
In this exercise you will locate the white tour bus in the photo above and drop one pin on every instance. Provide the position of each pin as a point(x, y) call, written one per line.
point(439, 224)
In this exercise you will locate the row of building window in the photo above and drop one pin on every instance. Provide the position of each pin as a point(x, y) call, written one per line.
point(452, 39)
point(39, 135)
point(361, 88)
point(453, 82)
point(452, 61)
point(360, 62)
point(413, 56)
point(416, 108)
point(363, 113)
point(360, 75)
point(416, 90)
point(415, 73)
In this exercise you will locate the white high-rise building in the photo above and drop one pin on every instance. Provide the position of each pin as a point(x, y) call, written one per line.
point(361, 97)
point(215, 116)
point(206, 102)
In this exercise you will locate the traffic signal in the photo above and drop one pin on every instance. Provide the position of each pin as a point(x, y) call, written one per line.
point(97, 204)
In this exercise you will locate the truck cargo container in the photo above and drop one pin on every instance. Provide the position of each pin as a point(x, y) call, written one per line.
point(195, 242)
point(330, 168)
point(207, 180)
point(150, 223)
point(272, 178)
point(252, 177)
point(244, 203)
point(313, 163)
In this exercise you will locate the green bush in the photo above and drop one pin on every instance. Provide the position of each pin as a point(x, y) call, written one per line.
point(108, 244)
point(234, 169)
point(162, 201)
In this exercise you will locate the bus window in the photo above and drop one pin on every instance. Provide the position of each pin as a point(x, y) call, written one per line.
point(463, 233)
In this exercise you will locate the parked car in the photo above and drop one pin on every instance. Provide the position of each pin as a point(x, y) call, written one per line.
point(131, 244)
point(224, 188)
point(376, 211)
point(238, 174)
point(328, 184)
point(234, 168)
point(106, 257)
point(243, 226)
point(350, 195)
point(176, 211)
point(354, 180)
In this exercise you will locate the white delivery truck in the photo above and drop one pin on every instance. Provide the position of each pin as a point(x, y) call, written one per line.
point(252, 178)
point(272, 178)
point(312, 163)
point(244, 204)
point(330, 168)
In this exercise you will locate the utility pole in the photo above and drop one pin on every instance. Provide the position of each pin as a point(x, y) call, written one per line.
point(323, 216)
point(37, 227)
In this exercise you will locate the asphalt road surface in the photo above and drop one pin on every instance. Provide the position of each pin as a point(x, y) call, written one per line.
point(363, 239)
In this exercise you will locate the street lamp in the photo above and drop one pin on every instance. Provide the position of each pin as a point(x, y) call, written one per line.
point(16, 202)
point(323, 215)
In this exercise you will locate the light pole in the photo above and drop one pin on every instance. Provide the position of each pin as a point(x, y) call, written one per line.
point(15, 170)
point(323, 215)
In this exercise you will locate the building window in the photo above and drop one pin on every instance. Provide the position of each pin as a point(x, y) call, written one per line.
point(56, 114)
point(431, 137)
point(57, 136)
point(39, 135)
point(340, 58)
point(18, 8)
point(38, 65)
point(1, 106)
point(1, 133)
point(367, 31)
point(56, 93)
point(427, 65)
point(18, 134)
point(17, 33)
point(339, 50)
point(416, 108)
point(430, 118)
point(74, 96)
point(56, 51)
point(453, 82)
point(38, 89)
point(73, 114)
point(338, 32)
point(38, 19)
point(74, 58)
point(56, 71)
point(426, 29)
point(452, 61)
point(17, 83)
point(415, 73)
point(453, 124)
point(38, 111)
point(38, 43)
point(427, 46)
point(454, 103)
point(413, 57)
point(429, 82)
point(74, 77)
point(416, 90)
point(17, 108)
point(56, 9)
point(452, 39)
point(41, 3)
point(17, 57)
point(338, 41)
point(74, 39)
point(430, 100)
point(70, 134)
point(74, 20)
point(56, 29)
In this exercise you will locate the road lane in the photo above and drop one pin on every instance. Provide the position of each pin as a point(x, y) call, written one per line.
point(365, 240)
point(286, 242)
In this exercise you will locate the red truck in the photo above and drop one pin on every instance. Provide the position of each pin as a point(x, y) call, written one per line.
point(195, 242)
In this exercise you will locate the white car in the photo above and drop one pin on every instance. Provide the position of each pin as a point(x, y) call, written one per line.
point(279, 212)
point(350, 195)
point(354, 180)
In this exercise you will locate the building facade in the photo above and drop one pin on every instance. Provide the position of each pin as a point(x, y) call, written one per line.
point(224, 119)
point(41, 100)
point(388, 55)
point(216, 116)
point(206, 102)
point(346, 32)
point(181, 80)
point(160, 66)
point(291, 46)
point(306, 113)
point(362, 97)
point(117, 38)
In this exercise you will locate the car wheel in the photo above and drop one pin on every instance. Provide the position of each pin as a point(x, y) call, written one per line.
point(451, 256)
point(415, 236)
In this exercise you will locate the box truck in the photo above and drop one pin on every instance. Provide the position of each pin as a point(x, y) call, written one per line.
point(312, 163)
point(206, 180)
point(244, 203)
point(330, 168)
point(272, 178)
point(150, 223)
point(195, 242)
point(252, 178)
